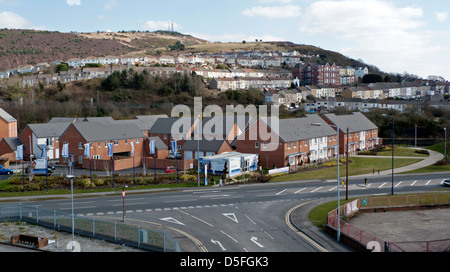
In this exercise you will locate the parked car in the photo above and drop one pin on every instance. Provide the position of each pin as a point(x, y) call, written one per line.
point(5, 171)
point(447, 182)
point(175, 155)
point(170, 170)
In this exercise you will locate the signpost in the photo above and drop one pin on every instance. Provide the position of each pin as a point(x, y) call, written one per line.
point(123, 201)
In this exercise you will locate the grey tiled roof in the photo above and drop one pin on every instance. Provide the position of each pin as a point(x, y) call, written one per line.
point(6, 116)
point(204, 145)
point(97, 132)
point(304, 128)
point(159, 144)
point(13, 142)
point(355, 122)
point(164, 125)
point(49, 129)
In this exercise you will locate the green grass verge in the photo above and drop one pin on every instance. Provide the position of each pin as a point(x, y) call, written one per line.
point(358, 166)
point(319, 214)
point(401, 152)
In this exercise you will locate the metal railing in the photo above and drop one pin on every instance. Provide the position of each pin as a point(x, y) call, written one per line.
point(366, 239)
point(114, 232)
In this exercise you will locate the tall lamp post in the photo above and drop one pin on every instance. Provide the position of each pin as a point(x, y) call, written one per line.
point(393, 136)
point(198, 151)
point(338, 185)
point(338, 182)
point(445, 143)
point(70, 177)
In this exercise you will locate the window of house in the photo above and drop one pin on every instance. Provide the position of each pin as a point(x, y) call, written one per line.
point(256, 145)
point(138, 140)
point(116, 142)
point(80, 145)
point(264, 145)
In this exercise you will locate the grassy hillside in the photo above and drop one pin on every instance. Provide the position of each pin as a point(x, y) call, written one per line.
point(24, 47)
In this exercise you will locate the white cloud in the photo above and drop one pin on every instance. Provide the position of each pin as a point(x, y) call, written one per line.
point(275, 1)
point(12, 20)
point(110, 4)
point(383, 34)
point(160, 25)
point(274, 12)
point(73, 2)
point(441, 16)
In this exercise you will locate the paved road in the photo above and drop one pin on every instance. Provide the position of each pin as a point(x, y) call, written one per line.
point(236, 218)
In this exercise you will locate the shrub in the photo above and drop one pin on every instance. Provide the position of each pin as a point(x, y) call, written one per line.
point(187, 177)
point(85, 183)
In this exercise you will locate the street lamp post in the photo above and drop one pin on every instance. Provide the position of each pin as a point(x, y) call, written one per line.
point(70, 177)
point(198, 151)
point(393, 136)
point(338, 182)
point(445, 141)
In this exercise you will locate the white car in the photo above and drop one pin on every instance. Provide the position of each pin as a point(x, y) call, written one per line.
point(447, 182)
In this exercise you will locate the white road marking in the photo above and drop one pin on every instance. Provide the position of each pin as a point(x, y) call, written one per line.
point(279, 193)
point(382, 185)
point(229, 236)
point(203, 221)
point(398, 184)
point(231, 216)
point(413, 183)
point(428, 182)
point(316, 189)
point(300, 190)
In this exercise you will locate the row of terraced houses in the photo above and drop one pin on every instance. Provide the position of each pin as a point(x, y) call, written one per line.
point(298, 141)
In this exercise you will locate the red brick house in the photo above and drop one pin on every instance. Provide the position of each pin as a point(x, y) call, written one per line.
point(362, 133)
point(8, 125)
point(298, 141)
point(317, 74)
point(98, 136)
point(8, 148)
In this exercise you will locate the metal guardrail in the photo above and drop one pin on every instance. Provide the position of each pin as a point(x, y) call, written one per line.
point(113, 232)
point(364, 238)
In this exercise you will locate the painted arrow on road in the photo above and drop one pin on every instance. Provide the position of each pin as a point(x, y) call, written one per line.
point(219, 244)
point(254, 240)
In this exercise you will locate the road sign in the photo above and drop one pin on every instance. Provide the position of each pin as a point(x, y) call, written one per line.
point(123, 193)
point(364, 201)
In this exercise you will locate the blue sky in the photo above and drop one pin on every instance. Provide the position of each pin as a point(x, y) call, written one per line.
point(397, 36)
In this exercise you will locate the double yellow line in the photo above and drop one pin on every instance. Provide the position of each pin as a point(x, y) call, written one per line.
point(301, 234)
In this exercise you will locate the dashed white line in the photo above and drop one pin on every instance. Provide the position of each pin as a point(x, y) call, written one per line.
point(428, 182)
point(413, 183)
point(382, 185)
point(316, 189)
point(300, 190)
point(398, 184)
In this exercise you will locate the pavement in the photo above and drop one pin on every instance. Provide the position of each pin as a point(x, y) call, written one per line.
point(427, 161)
point(300, 221)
